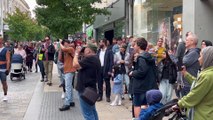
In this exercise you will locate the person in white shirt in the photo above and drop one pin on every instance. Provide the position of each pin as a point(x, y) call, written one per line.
point(106, 58)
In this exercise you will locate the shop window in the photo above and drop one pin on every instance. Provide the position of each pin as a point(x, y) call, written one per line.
point(155, 19)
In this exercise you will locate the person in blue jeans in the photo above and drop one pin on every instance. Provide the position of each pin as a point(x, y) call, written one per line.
point(69, 72)
point(87, 66)
point(153, 98)
point(39, 61)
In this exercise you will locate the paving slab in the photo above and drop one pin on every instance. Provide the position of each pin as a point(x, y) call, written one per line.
point(50, 108)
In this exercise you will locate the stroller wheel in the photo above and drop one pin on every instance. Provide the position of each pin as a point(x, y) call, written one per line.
point(11, 77)
point(20, 77)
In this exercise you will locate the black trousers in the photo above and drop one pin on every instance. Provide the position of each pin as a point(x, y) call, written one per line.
point(100, 85)
point(41, 66)
point(29, 65)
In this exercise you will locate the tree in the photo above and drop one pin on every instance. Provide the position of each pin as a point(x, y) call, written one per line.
point(22, 27)
point(65, 17)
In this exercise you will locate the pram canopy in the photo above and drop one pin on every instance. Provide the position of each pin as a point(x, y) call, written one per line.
point(17, 58)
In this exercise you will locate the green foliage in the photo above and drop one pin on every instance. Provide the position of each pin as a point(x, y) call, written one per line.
point(64, 17)
point(22, 27)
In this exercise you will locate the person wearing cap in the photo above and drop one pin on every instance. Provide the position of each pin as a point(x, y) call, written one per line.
point(153, 98)
point(69, 72)
point(4, 67)
point(87, 66)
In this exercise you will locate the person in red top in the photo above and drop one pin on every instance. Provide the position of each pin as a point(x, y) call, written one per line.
point(69, 72)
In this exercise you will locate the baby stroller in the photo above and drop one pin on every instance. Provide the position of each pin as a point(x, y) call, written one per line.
point(17, 68)
point(167, 111)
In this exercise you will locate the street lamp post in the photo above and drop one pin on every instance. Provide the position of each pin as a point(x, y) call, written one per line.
point(1, 20)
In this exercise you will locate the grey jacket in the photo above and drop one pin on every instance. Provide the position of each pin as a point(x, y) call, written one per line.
point(190, 60)
point(117, 58)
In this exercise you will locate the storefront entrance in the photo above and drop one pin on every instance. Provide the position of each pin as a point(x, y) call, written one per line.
point(109, 35)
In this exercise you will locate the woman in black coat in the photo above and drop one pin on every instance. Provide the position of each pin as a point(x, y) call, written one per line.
point(168, 74)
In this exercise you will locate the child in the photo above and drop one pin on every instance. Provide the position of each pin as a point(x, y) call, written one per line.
point(117, 88)
point(153, 98)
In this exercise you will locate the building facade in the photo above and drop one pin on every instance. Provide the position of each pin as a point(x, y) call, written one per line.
point(171, 19)
point(20, 4)
point(9, 7)
point(154, 19)
point(117, 24)
point(104, 3)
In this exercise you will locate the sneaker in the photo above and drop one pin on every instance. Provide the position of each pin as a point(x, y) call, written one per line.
point(122, 97)
point(42, 80)
point(61, 85)
point(46, 80)
point(108, 99)
point(99, 99)
point(63, 95)
point(113, 104)
point(72, 104)
point(5, 98)
point(50, 84)
point(130, 97)
point(119, 103)
point(64, 108)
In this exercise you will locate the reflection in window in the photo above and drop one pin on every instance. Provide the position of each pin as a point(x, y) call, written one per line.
point(158, 18)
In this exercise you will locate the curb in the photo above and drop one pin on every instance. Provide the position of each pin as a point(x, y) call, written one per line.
point(33, 110)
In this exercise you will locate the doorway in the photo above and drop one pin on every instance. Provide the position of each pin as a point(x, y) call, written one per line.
point(109, 35)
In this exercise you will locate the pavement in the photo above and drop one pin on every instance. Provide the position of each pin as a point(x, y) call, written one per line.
point(19, 95)
point(31, 99)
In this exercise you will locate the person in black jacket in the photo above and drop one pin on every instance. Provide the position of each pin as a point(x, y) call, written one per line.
point(106, 58)
point(89, 72)
point(143, 75)
point(168, 75)
point(49, 51)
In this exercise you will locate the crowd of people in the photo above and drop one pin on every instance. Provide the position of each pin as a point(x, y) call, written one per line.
point(148, 74)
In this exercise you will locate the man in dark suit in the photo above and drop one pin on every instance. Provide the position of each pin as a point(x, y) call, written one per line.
point(106, 58)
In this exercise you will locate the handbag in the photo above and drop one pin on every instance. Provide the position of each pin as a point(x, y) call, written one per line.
point(89, 95)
